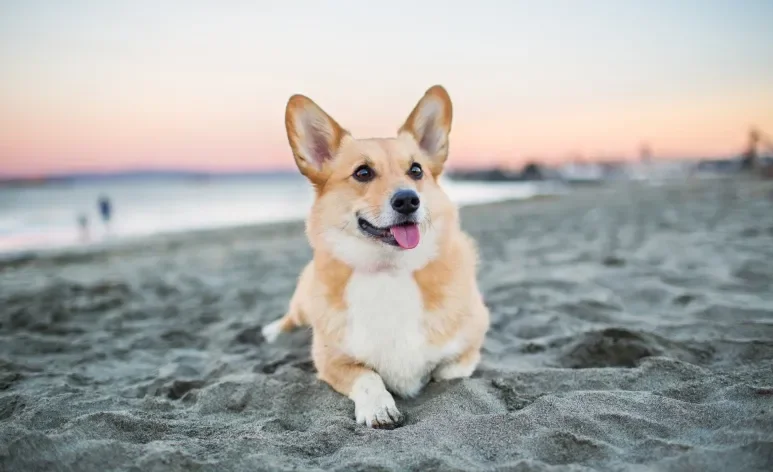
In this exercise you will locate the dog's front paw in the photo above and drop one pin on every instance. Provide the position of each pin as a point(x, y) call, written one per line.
point(378, 411)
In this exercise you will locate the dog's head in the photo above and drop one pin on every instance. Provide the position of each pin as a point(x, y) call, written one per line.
point(378, 202)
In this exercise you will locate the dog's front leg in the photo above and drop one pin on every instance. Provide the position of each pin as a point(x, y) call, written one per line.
point(373, 404)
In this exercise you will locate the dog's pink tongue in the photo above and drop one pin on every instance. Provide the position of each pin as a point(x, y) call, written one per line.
point(407, 236)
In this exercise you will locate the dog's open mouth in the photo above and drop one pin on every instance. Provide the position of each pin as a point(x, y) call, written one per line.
point(405, 235)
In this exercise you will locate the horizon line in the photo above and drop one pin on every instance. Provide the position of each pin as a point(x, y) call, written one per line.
point(254, 171)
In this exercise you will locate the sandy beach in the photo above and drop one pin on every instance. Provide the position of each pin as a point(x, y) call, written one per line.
point(632, 329)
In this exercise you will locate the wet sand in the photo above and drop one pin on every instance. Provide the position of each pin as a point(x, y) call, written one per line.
point(632, 329)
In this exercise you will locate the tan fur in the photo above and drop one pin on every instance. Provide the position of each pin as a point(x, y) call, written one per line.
point(327, 155)
point(444, 284)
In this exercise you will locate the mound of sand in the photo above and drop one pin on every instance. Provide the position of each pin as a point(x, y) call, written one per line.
point(631, 329)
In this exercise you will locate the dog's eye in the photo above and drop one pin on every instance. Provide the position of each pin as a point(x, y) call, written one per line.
point(415, 171)
point(364, 174)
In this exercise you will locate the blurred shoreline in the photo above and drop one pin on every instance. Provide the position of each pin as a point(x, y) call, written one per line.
point(279, 228)
point(66, 214)
point(60, 213)
point(172, 239)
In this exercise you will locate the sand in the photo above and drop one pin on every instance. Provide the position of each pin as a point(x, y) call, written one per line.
point(632, 329)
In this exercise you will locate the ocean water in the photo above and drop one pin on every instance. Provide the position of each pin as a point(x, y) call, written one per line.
point(46, 216)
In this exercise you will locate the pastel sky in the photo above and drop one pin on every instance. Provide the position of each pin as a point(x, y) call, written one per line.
point(106, 85)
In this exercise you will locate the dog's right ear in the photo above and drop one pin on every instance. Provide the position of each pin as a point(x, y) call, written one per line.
point(314, 136)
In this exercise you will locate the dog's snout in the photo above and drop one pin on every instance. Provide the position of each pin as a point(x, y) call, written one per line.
point(405, 201)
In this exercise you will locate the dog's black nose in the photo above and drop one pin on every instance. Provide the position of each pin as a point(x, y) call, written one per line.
point(405, 201)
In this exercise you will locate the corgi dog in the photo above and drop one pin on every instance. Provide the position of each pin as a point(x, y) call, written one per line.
point(391, 292)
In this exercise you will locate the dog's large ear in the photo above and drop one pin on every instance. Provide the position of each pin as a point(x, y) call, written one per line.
point(314, 137)
point(430, 123)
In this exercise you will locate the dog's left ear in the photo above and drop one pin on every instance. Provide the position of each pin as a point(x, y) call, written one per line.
point(314, 136)
point(429, 124)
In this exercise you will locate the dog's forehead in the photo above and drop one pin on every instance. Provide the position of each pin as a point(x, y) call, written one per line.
point(382, 151)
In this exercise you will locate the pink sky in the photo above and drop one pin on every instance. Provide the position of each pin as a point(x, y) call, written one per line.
point(94, 86)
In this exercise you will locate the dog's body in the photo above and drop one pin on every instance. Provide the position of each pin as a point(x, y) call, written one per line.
point(391, 293)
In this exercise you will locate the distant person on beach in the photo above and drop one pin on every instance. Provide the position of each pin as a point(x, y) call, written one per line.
point(749, 157)
point(83, 225)
point(752, 159)
point(105, 209)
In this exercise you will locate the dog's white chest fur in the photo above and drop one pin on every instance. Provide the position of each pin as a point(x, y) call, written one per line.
point(385, 330)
